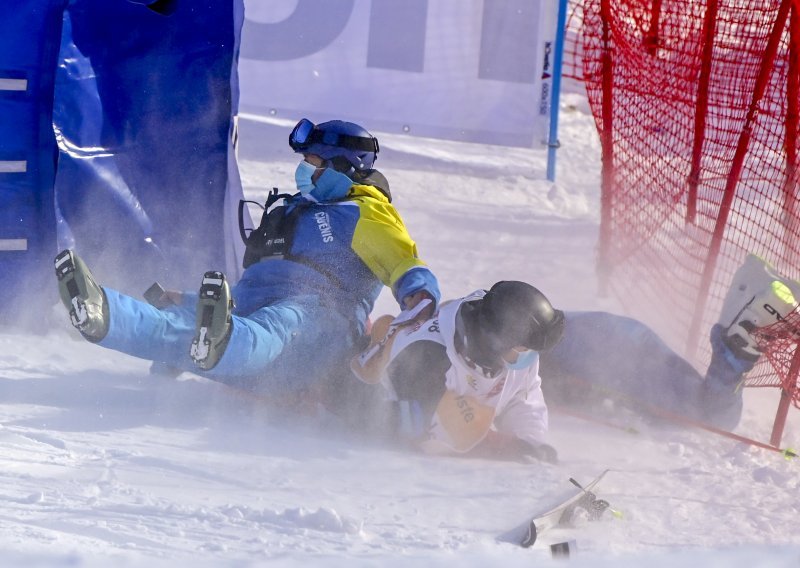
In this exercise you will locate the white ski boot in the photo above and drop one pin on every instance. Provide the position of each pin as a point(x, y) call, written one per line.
point(758, 297)
point(82, 296)
point(213, 327)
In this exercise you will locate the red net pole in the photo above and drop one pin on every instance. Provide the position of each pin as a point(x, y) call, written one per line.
point(607, 147)
point(792, 98)
point(786, 400)
point(732, 181)
point(653, 37)
point(709, 30)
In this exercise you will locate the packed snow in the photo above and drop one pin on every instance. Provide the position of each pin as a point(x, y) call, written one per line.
point(103, 463)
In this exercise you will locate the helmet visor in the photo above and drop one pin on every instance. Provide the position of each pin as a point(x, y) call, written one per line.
point(550, 335)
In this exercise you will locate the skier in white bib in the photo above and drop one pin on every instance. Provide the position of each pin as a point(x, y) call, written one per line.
point(467, 380)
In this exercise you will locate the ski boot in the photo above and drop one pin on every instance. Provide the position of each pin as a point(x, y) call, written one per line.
point(82, 296)
point(213, 327)
point(767, 307)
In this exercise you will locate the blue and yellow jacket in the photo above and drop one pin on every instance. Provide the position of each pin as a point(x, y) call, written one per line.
point(343, 252)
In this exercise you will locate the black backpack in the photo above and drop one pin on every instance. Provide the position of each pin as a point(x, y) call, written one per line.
point(273, 237)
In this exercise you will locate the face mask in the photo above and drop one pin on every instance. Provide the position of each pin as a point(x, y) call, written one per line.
point(302, 177)
point(524, 360)
point(331, 185)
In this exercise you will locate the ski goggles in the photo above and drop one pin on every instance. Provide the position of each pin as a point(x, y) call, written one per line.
point(306, 134)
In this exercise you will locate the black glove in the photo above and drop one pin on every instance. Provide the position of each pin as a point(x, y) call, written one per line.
point(507, 447)
point(540, 452)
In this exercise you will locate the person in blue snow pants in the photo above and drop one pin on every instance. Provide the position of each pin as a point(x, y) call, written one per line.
point(606, 355)
point(313, 269)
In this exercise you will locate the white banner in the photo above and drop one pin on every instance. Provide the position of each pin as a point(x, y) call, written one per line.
point(470, 70)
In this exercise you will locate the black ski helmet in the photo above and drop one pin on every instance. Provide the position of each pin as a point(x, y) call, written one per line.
point(511, 314)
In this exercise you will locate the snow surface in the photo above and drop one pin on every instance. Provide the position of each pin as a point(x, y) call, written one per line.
point(105, 464)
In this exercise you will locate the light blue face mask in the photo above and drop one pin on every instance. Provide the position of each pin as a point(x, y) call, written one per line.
point(524, 360)
point(302, 177)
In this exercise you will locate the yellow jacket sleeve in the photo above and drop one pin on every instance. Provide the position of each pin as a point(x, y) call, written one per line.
point(381, 240)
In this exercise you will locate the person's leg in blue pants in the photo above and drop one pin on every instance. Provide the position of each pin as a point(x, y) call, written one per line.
point(616, 354)
point(280, 348)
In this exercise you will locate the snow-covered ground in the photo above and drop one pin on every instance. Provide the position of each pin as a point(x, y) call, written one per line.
point(103, 464)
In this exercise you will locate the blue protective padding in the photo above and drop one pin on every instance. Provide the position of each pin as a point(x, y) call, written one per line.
point(143, 113)
point(29, 45)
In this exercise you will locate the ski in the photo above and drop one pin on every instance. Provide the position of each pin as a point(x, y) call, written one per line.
point(558, 512)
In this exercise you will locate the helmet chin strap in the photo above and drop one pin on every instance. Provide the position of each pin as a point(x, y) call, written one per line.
point(341, 165)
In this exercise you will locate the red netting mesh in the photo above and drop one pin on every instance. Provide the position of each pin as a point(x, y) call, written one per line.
point(696, 103)
point(779, 342)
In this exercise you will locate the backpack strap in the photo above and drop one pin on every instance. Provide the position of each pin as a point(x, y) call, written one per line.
point(274, 235)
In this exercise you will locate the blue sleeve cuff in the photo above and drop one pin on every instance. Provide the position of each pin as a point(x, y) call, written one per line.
point(417, 279)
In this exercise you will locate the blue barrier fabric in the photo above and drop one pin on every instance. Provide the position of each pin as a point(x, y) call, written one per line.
point(120, 114)
point(29, 45)
point(143, 117)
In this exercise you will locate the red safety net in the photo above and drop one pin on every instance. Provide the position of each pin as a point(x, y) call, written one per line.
point(696, 103)
point(780, 342)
